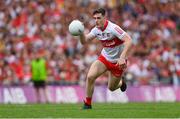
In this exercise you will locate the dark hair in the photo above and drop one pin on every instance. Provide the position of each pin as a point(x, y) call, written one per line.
point(100, 10)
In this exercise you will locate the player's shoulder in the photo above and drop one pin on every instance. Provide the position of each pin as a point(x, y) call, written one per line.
point(112, 24)
point(115, 29)
point(94, 29)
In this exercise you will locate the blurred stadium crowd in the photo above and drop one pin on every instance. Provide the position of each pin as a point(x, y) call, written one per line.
point(40, 27)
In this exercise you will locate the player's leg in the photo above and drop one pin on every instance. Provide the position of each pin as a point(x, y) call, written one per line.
point(116, 77)
point(44, 91)
point(47, 94)
point(116, 83)
point(96, 69)
point(37, 91)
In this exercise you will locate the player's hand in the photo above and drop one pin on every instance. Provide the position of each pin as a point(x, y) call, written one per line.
point(80, 32)
point(121, 63)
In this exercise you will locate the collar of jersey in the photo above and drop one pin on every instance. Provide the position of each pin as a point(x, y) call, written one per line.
point(105, 25)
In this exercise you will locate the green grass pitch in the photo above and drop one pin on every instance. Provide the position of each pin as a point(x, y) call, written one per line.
point(100, 110)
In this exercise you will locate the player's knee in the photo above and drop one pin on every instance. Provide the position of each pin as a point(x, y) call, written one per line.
point(111, 88)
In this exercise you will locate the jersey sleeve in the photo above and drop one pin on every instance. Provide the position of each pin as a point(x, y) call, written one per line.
point(93, 32)
point(118, 32)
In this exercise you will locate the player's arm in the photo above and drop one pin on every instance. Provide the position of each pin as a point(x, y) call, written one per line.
point(122, 35)
point(86, 38)
point(127, 46)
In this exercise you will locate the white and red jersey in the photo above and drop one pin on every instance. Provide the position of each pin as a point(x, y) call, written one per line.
point(111, 39)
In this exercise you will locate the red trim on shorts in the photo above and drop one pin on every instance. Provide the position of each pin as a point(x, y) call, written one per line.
point(112, 67)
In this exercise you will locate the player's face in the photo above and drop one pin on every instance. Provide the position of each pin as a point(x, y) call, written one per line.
point(99, 19)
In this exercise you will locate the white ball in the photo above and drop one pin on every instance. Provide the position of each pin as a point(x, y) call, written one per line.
point(76, 27)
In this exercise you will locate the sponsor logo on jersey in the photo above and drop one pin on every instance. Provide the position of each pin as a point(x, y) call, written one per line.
point(111, 43)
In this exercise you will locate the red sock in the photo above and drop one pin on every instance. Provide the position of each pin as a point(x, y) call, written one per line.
point(88, 100)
